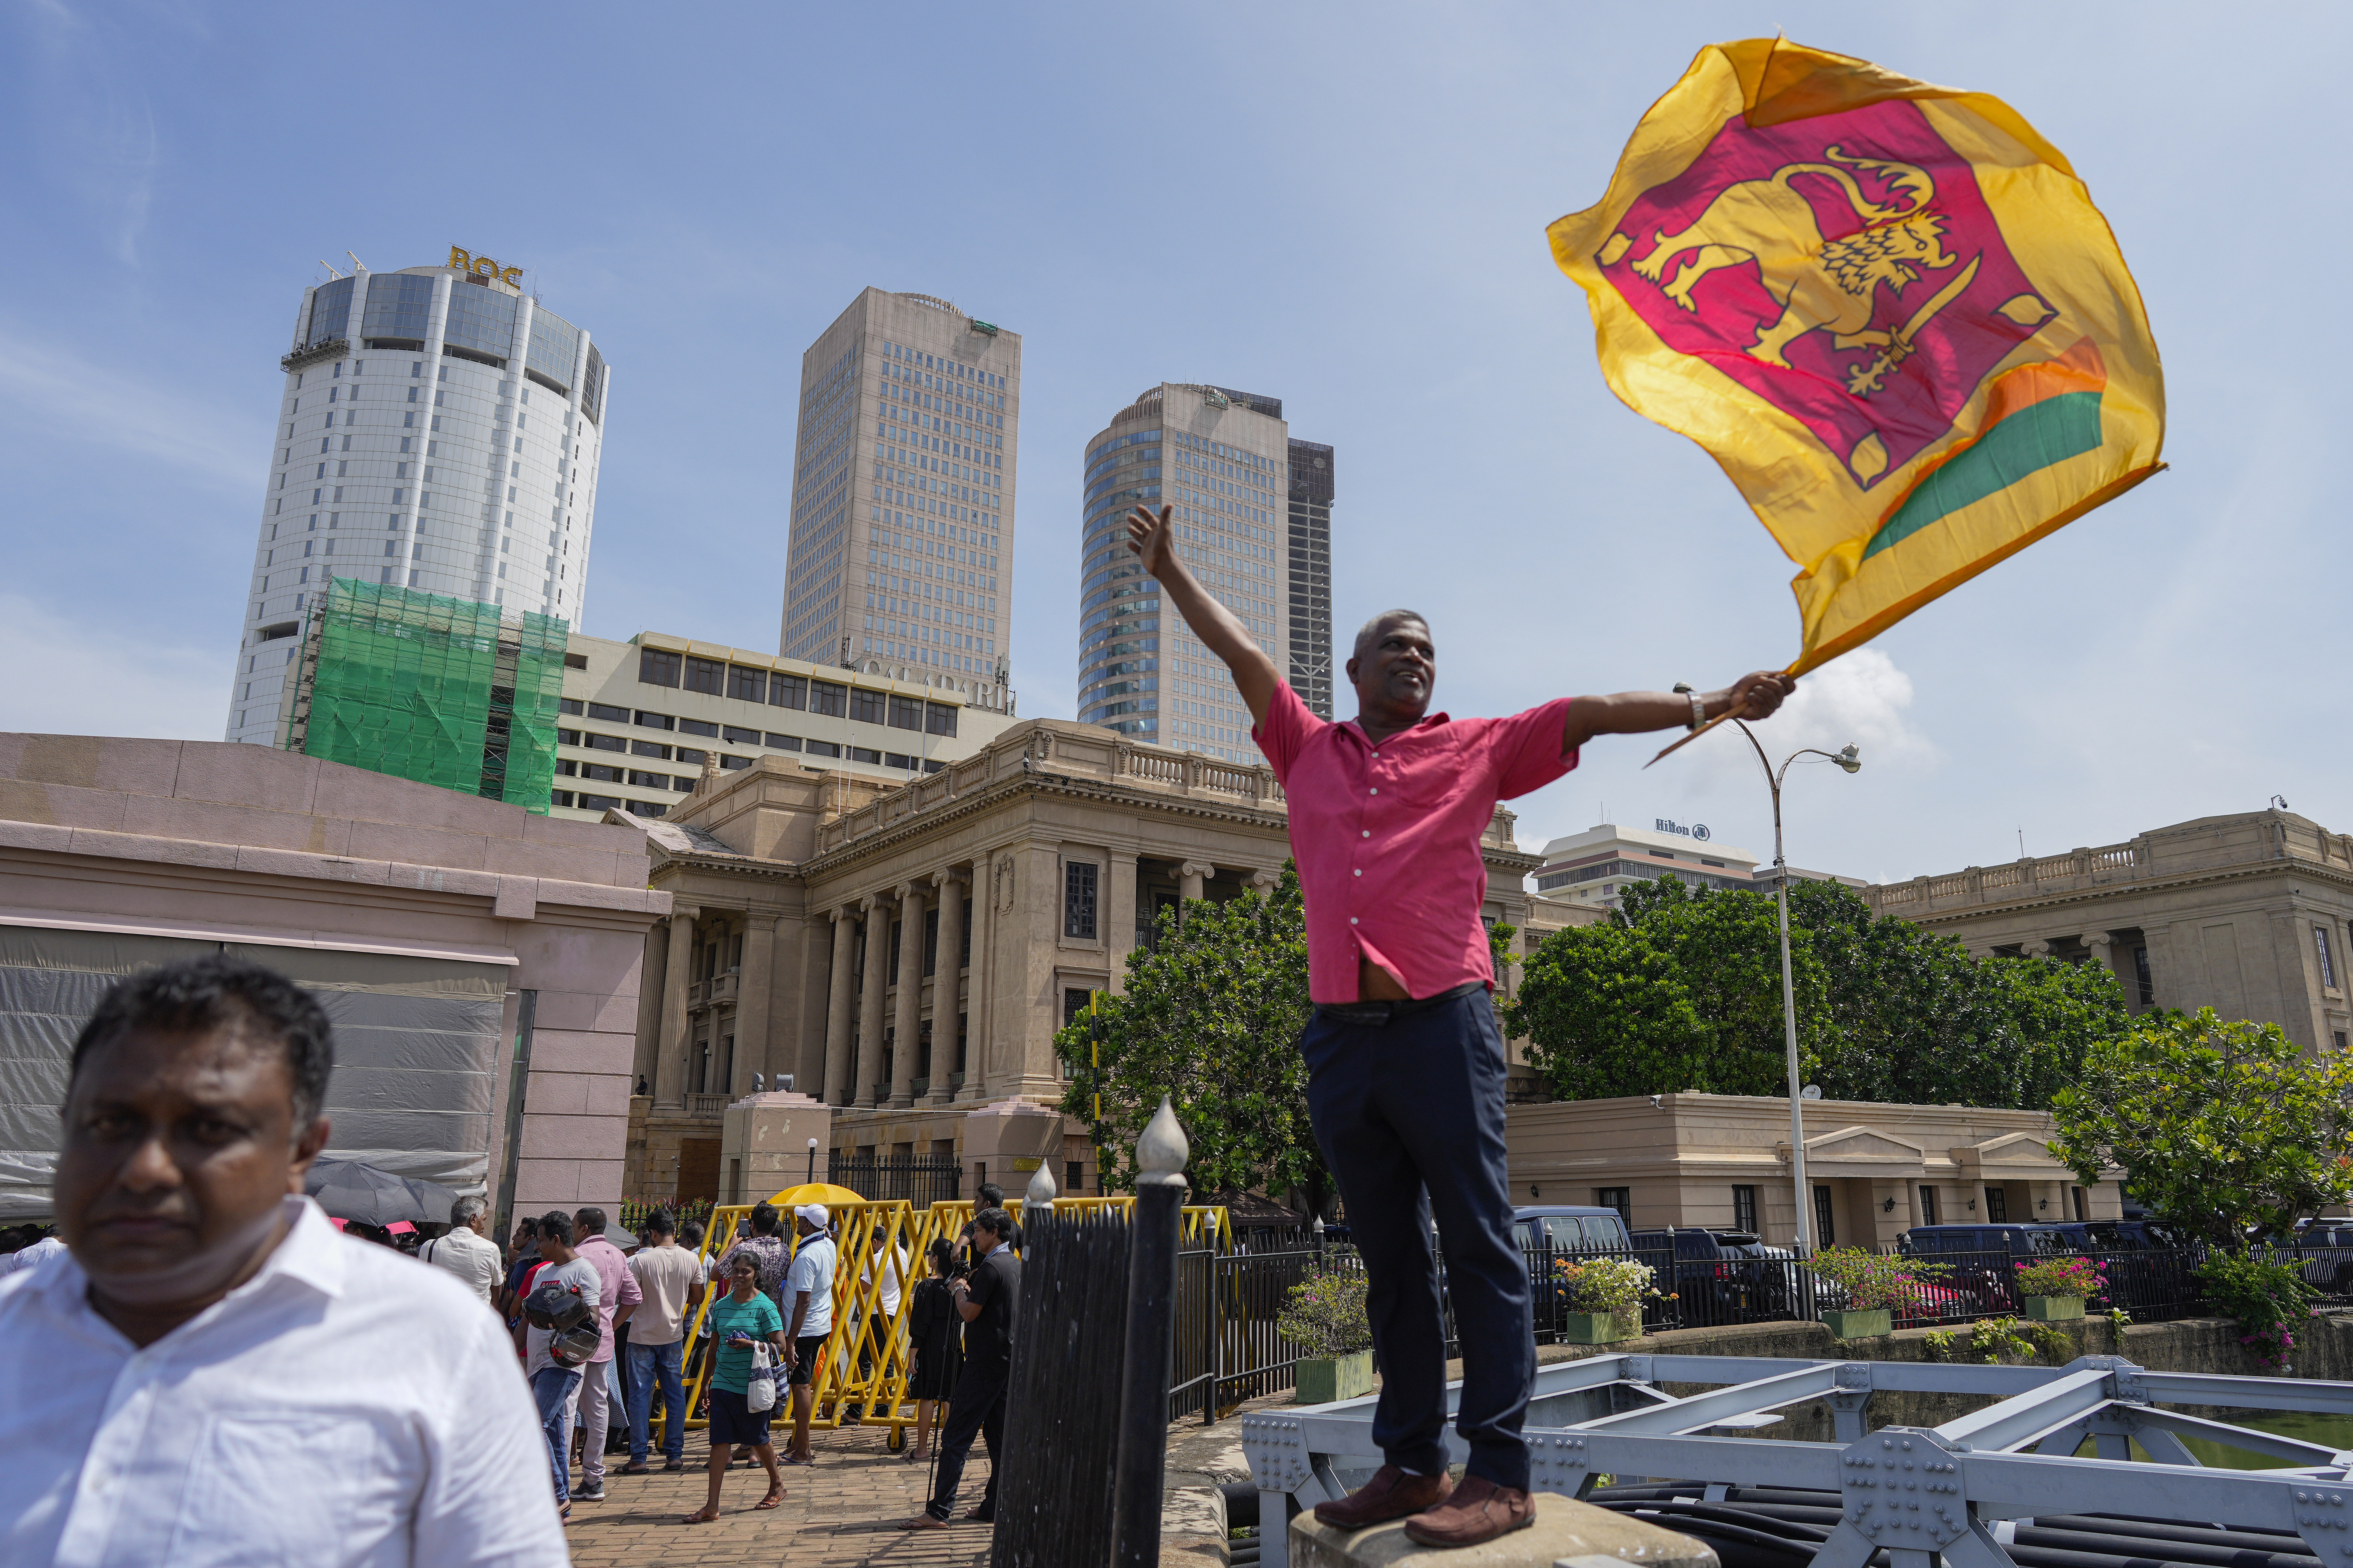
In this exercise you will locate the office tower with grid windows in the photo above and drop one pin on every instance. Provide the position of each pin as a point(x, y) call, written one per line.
point(1221, 459)
point(1309, 548)
point(901, 546)
point(439, 430)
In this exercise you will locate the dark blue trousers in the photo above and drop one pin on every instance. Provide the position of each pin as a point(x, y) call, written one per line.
point(1410, 1113)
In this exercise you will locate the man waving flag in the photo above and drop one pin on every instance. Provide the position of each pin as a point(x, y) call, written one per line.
point(1889, 309)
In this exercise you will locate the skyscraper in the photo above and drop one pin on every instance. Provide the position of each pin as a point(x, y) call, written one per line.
point(1311, 576)
point(439, 430)
point(902, 495)
point(1222, 459)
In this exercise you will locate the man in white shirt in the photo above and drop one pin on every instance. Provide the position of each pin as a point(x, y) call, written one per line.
point(34, 1255)
point(808, 1319)
point(671, 1278)
point(466, 1252)
point(218, 1377)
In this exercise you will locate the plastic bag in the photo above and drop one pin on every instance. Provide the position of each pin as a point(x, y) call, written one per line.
point(760, 1392)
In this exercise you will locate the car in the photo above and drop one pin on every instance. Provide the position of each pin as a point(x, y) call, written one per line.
point(1715, 1276)
point(1568, 1227)
point(2134, 1236)
point(2057, 1240)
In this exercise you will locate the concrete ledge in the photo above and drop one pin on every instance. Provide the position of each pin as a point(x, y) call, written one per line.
point(1564, 1531)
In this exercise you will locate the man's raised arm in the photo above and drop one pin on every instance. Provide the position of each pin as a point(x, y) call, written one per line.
point(1154, 539)
point(1636, 712)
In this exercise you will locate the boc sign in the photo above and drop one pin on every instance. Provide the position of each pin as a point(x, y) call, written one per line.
point(483, 267)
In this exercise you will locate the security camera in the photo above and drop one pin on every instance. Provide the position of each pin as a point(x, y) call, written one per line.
point(1656, 1102)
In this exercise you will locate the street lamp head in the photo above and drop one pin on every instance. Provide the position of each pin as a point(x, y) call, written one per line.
point(1849, 759)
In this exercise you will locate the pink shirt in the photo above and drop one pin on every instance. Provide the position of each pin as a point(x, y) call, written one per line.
point(1387, 837)
point(621, 1288)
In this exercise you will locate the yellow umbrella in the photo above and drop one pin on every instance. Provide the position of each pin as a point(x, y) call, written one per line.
point(824, 1193)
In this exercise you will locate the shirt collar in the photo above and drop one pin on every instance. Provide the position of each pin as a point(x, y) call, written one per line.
point(1355, 728)
point(312, 1254)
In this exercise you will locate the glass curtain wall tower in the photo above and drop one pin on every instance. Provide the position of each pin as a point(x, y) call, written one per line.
point(1311, 673)
point(1221, 459)
point(902, 497)
point(439, 430)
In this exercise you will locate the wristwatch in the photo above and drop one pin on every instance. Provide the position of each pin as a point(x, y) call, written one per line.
point(1698, 704)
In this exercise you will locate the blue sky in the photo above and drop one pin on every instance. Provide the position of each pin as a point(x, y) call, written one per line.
point(1341, 205)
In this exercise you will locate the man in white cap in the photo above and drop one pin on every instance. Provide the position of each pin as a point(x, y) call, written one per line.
point(808, 1319)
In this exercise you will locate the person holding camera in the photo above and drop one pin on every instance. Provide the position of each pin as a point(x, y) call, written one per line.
point(560, 1333)
point(988, 1300)
point(740, 1318)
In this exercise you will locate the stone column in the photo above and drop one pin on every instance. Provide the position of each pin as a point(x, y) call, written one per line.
point(2103, 951)
point(834, 1081)
point(669, 1066)
point(977, 1004)
point(1189, 877)
point(751, 1000)
point(910, 1015)
point(1119, 941)
point(946, 987)
point(2036, 948)
point(1262, 881)
point(876, 908)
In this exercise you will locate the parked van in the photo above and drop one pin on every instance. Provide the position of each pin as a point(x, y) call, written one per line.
point(2018, 1240)
point(1565, 1227)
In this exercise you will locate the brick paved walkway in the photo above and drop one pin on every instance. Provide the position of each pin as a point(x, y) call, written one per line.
point(845, 1510)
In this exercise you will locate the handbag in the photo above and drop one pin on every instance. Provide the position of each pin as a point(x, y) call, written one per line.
point(760, 1389)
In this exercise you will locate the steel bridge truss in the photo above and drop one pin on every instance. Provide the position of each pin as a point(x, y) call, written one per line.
point(1922, 1493)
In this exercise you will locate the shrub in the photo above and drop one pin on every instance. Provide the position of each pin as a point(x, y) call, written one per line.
point(2265, 1298)
point(2076, 1277)
point(1611, 1285)
point(1873, 1280)
point(1325, 1316)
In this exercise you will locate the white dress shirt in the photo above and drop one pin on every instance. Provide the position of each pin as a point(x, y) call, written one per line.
point(472, 1259)
point(32, 1256)
point(343, 1406)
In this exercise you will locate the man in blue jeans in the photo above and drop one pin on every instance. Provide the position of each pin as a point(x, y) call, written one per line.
point(556, 1377)
point(671, 1278)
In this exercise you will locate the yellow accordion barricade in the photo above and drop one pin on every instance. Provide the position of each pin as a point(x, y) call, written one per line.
point(866, 1361)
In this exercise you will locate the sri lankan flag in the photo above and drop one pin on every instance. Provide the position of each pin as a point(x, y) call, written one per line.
point(1888, 310)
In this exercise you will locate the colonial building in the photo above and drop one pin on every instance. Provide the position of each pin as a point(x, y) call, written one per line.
point(2245, 915)
point(906, 954)
point(1723, 1159)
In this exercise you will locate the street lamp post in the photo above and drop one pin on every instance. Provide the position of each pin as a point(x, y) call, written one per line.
point(1849, 760)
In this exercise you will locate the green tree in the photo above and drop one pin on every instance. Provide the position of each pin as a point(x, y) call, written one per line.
point(1212, 1020)
point(1912, 1017)
point(1677, 990)
point(2223, 1128)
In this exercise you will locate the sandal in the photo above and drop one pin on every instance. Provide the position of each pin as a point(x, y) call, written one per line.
point(703, 1515)
point(636, 1467)
point(772, 1499)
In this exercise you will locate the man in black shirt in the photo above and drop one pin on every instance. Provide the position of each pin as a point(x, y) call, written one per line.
point(988, 1300)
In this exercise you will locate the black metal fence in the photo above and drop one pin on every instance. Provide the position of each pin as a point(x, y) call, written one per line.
point(918, 1179)
point(1227, 1350)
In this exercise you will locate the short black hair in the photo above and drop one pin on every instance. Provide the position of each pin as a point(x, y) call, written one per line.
point(556, 1224)
point(590, 1220)
point(197, 995)
point(659, 1222)
point(994, 1221)
point(691, 1232)
point(991, 1196)
point(764, 1218)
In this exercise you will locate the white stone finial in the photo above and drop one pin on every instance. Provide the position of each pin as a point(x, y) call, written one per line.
point(1161, 1153)
point(1039, 1194)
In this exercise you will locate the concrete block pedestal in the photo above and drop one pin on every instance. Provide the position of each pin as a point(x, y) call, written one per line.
point(1565, 1533)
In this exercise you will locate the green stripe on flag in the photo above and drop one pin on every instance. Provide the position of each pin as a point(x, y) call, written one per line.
point(2029, 440)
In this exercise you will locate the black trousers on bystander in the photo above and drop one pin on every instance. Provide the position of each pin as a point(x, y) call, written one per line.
point(978, 1410)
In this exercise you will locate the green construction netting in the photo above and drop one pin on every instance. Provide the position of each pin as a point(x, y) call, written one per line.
point(442, 690)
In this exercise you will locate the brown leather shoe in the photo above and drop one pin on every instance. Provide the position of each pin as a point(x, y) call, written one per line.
point(1478, 1511)
point(1390, 1494)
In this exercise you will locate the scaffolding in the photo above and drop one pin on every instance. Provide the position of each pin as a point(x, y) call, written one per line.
point(442, 690)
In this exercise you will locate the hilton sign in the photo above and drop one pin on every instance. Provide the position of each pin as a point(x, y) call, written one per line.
point(483, 267)
point(1668, 825)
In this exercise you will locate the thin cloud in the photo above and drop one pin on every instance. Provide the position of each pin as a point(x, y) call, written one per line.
point(62, 397)
point(76, 677)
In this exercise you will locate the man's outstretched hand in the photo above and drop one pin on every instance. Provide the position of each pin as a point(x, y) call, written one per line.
point(1149, 535)
point(1757, 695)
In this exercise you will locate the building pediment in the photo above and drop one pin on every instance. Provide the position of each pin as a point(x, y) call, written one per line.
point(2014, 1156)
point(1862, 1151)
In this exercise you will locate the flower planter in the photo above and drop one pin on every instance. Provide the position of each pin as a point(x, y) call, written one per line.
point(1326, 1379)
point(1875, 1324)
point(1601, 1327)
point(2053, 1309)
